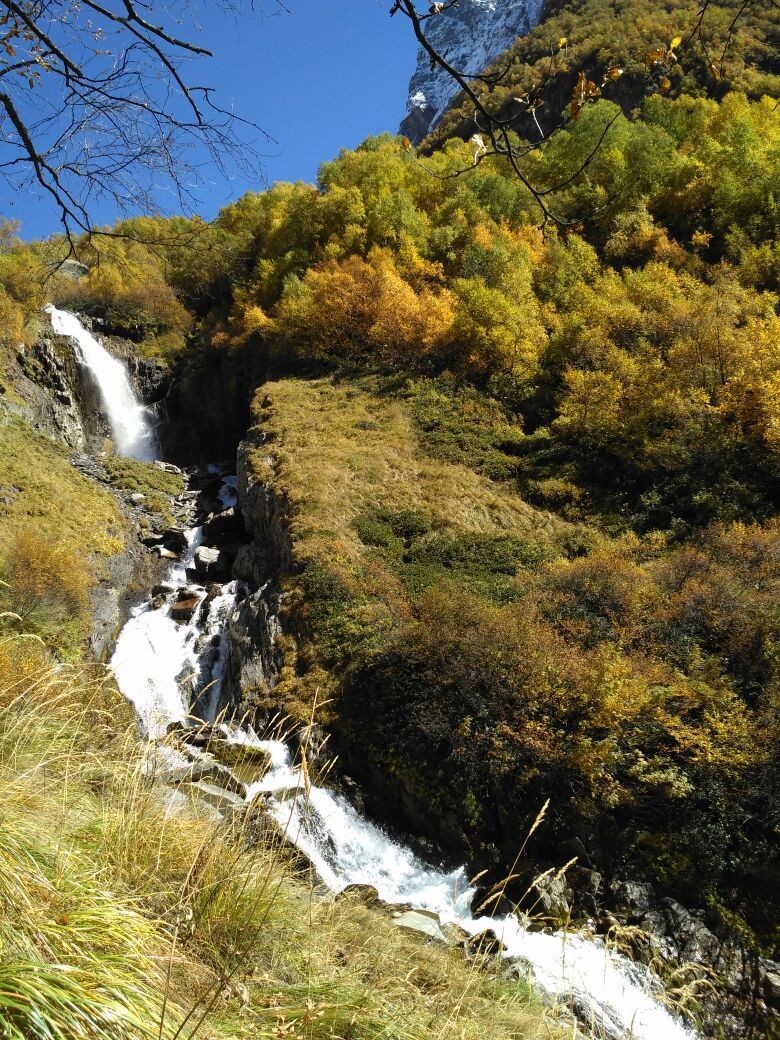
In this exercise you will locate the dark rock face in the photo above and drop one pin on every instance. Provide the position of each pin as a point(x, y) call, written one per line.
point(471, 35)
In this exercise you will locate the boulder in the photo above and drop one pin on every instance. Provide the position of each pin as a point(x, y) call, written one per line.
point(162, 590)
point(165, 554)
point(239, 754)
point(550, 896)
point(366, 894)
point(226, 524)
point(151, 539)
point(634, 896)
point(695, 942)
point(222, 799)
point(485, 944)
point(422, 922)
point(184, 607)
point(174, 538)
point(210, 562)
point(137, 498)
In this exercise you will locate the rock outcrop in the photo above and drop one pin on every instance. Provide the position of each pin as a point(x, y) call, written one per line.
point(470, 35)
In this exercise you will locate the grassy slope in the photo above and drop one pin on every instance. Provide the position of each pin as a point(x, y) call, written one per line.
point(45, 491)
point(382, 508)
point(119, 914)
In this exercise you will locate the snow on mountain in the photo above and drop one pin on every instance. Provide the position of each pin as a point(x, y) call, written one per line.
point(470, 35)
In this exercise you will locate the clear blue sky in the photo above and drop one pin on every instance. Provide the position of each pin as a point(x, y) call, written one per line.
point(320, 78)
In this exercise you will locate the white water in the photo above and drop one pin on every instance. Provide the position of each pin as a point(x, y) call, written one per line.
point(132, 434)
point(622, 998)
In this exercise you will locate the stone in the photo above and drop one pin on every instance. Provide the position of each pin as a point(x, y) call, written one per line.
point(695, 942)
point(485, 944)
point(183, 609)
point(366, 894)
point(634, 895)
point(770, 981)
point(239, 754)
point(174, 538)
point(151, 539)
point(137, 498)
point(222, 799)
point(72, 269)
point(518, 969)
point(209, 561)
point(226, 524)
point(162, 590)
point(164, 554)
point(422, 922)
point(550, 897)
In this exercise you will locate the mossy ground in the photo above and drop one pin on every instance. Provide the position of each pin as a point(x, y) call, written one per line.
point(158, 485)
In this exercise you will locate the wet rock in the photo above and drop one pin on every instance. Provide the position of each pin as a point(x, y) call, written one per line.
point(485, 944)
point(226, 524)
point(162, 590)
point(232, 754)
point(210, 562)
point(175, 539)
point(157, 602)
point(421, 922)
point(221, 798)
point(184, 607)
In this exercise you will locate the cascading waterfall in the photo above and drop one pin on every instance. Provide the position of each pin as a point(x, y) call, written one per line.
point(132, 433)
point(155, 658)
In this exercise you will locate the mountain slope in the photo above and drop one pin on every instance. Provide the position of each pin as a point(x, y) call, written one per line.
point(471, 35)
point(603, 33)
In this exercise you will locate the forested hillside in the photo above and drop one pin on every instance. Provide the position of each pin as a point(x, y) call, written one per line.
point(567, 586)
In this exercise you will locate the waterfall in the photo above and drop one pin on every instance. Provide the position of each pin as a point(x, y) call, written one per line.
point(130, 429)
point(155, 658)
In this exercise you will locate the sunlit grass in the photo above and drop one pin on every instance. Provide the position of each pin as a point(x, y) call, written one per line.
point(126, 914)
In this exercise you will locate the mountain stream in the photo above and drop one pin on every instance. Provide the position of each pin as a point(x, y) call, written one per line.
point(163, 665)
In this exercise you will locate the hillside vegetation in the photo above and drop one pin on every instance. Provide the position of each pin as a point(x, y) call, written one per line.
point(534, 470)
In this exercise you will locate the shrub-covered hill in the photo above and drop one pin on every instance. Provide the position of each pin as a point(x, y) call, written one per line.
point(611, 386)
point(475, 656)
point(734, 47)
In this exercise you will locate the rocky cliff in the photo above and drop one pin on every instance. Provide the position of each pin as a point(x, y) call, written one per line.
point(470, 35)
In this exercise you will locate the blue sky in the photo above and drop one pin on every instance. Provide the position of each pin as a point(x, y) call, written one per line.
point(319, 78)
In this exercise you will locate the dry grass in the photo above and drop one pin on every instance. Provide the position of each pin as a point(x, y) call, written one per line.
point(340, 449)
point(123, 915)
point(45, 492)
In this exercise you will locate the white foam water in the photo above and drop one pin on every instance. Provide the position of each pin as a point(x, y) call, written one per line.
point(622, 998)
point(130, 428)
